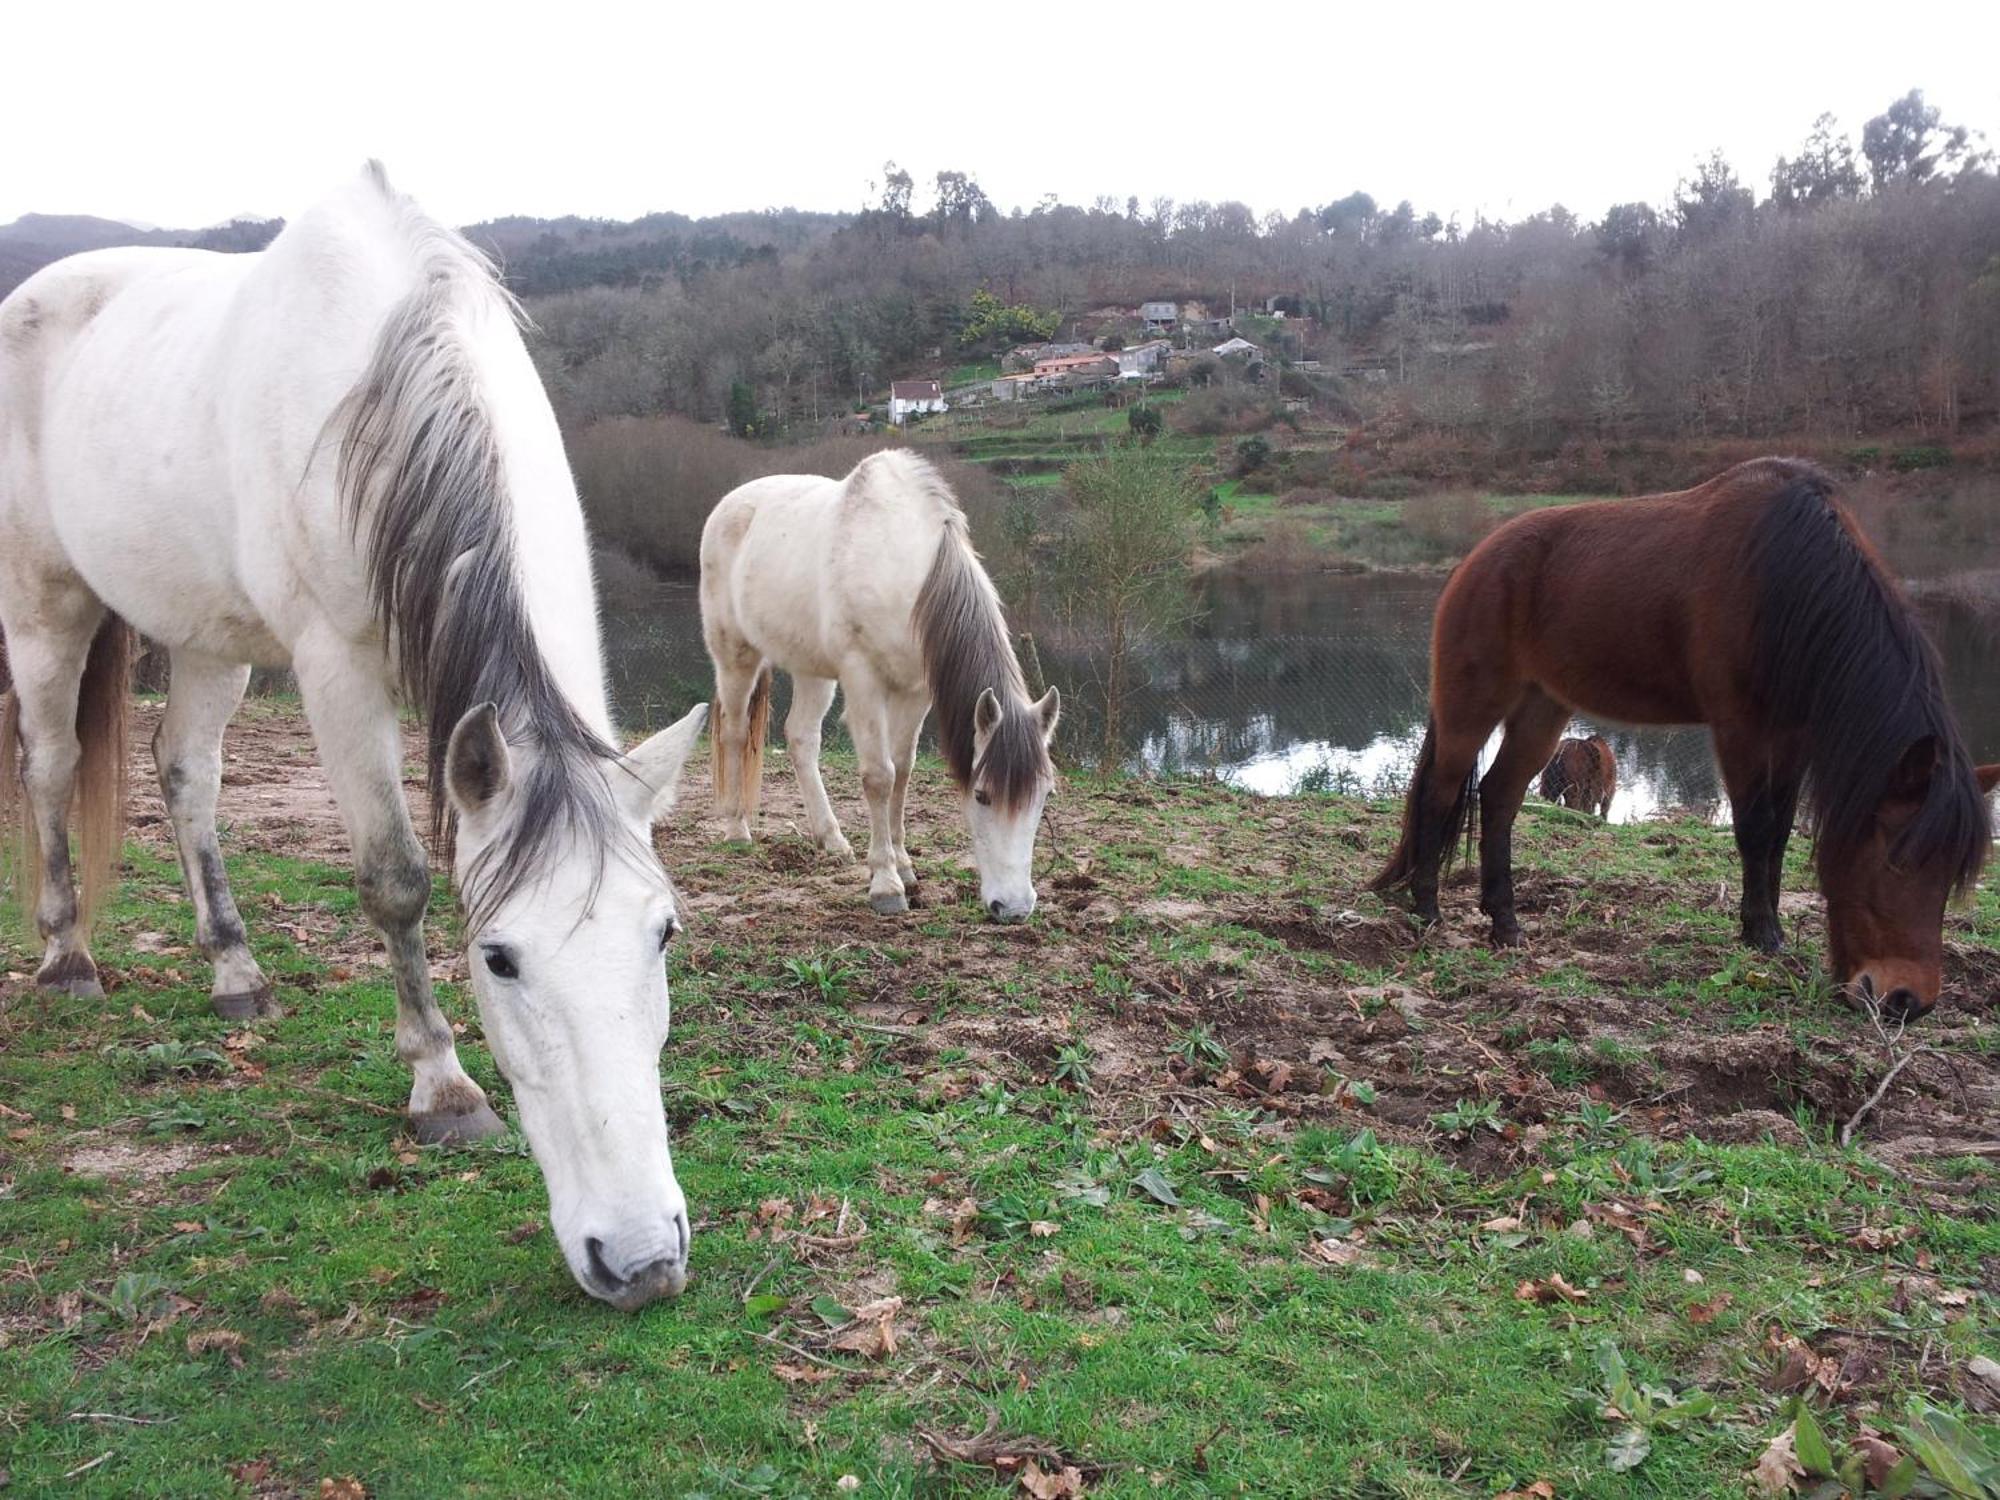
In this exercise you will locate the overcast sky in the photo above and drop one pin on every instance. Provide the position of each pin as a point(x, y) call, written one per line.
point(187, 113)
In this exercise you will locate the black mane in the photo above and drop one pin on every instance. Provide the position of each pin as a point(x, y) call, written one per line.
point(1841, 655)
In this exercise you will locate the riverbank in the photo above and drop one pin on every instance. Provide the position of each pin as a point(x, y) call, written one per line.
point(1209, 1179)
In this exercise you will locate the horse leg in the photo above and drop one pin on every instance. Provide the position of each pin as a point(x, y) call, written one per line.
point(1763, 799)
point(1533, 729)
point(729, 735)
point(47, 661)
point(354, 722)
point(187, 751)
point(811, 698)
point(906, 722)
point(1436, 804)
point(868, 724)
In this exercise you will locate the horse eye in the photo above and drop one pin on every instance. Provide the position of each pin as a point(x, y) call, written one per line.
point(982, 798)
point(500, 964)
point(669, 932)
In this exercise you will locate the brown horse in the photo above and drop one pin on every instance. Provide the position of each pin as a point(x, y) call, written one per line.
point(1583, 775)
point(1751, 604)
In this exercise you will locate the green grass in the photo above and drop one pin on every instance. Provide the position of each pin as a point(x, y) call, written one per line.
point(1186, 1293)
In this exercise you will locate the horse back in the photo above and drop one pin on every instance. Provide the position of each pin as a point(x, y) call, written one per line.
point(1640, 611)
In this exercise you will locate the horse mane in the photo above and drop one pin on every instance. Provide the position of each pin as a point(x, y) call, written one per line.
point(1840, 653)
point(963, 634)
point(421, 478)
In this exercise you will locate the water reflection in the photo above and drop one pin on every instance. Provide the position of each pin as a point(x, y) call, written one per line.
point(1287, 683)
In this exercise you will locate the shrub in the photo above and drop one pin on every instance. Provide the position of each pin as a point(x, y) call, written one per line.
point(1252, 454)
point(1451, 521)
point(1929, 456)
point(1145, 422)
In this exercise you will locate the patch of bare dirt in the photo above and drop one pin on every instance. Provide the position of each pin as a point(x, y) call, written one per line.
point(129, 1158)
point(1594, 1009)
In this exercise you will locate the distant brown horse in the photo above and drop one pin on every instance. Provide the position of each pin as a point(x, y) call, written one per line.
point(1752, 604)
point(1582, 774)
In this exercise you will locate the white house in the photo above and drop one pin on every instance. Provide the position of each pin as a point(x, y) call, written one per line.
point(1229, 348)
point(909, 398)
point(1142, 360)
point(1159, 317)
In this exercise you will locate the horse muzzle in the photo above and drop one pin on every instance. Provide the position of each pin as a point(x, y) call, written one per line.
point(636, 1270)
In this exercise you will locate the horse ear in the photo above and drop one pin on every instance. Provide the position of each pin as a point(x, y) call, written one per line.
point(476, 764)
point(656, 766)
point(1049, 710)
point(1911, 780)
point(985, 713)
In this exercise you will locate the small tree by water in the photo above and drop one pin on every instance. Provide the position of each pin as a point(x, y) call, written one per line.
point(1122, 566)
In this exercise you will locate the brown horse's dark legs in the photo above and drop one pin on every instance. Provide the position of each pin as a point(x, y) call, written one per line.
point(1437, 813)
point(1763, 801)
point(1533, 729)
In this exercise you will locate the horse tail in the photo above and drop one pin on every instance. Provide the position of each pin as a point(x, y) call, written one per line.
point(103, 716)
point(750, 770)
point(1464, 810)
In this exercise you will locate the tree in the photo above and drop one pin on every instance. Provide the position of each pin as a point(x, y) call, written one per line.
point(1145, 422)
point(897, 186)
point(961, 202)
point(1122, 564)
point(1908, 142)
point(1627, 234)
point(1823, 170)
point(1712, 199)
point(743, 418)
point(989, 320)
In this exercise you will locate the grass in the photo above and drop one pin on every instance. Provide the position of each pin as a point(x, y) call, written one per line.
point(1102, 1244)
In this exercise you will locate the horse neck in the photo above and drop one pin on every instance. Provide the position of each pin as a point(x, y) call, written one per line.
point(552, 547)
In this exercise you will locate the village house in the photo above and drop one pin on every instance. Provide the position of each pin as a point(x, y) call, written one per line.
point(1159, 317)
point(909, 398)
point(1077, 365)
point(1142, 360)
point(1238, 348)
point(1027, 356)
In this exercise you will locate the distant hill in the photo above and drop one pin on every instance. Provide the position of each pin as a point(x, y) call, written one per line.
point(34, 240)
point(537, 255)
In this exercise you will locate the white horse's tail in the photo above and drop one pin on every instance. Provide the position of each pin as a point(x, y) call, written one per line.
point(103, 716)
point(748, 772)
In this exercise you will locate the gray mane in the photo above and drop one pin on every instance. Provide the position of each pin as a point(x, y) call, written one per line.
point(966, 650)
point(422, 482)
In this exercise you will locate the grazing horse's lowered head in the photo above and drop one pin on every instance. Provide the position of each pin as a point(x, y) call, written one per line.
point(568, 964)
point(1899, 810)
point(994, 737)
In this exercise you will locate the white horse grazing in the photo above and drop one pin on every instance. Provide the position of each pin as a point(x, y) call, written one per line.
point(335, 455)
point(870, 583)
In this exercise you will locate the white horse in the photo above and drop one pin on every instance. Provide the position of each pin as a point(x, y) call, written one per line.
point(870, 583)
point(335, 455)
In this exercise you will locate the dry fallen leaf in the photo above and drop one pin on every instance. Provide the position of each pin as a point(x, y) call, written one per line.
point(1704, 1312)
point(793, 1374)
point(228, 1340)
point(1778, 1467)
point(347, 1487)
point(1541, 1489)
point(1555, 1289)
point(1868, 1237)
point(1064, 1484)
point(1799, 1367)
point(872, 1334)
point(1337, 1252)
point(1041, 1229)
point(1505, 1224)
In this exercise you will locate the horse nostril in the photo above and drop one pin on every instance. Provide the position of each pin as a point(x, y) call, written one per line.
point(593, 1249)
point(993, 908)
point(1903, 1005)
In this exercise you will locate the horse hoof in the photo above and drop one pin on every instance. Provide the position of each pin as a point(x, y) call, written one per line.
point(245, 1005)
point(888, 903)
point(1508, 936)
point(445, 1129)
point(71, 974)
point(840, 850)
